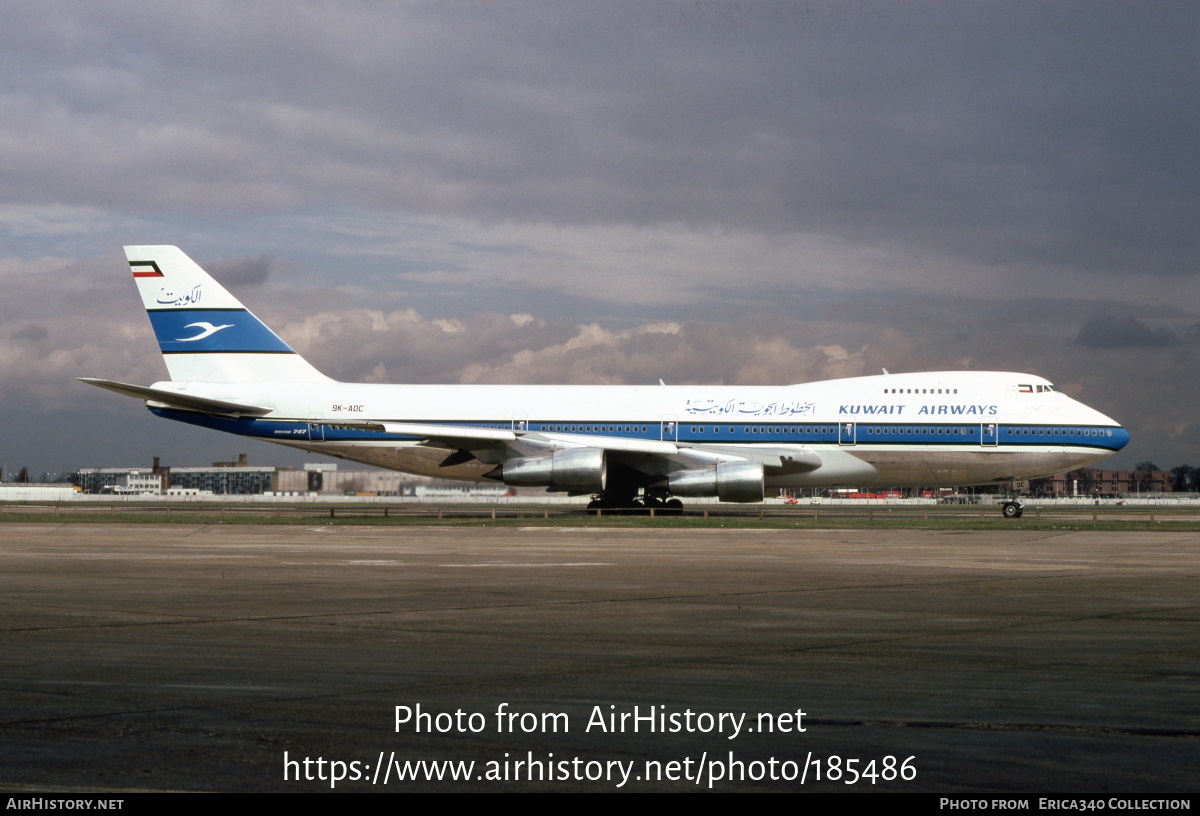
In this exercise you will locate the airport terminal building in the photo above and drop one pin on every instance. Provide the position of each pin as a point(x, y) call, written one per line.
point(242, 479)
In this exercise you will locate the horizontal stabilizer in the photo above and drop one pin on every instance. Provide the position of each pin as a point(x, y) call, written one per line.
point(183, 402)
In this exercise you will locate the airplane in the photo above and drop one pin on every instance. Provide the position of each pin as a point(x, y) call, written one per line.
point(625, 446)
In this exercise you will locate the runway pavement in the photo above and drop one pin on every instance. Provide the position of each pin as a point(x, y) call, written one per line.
point(257, 658)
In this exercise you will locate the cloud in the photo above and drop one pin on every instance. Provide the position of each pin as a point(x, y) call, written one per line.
point(676, 353)
point(1017, 135)
point(363, 344)
point(1111, 332)
point(30, 332)
point(247, 272)
point(23, 220)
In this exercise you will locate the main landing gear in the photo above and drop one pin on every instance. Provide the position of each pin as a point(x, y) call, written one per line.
point(634, 505)
point(1012, 509)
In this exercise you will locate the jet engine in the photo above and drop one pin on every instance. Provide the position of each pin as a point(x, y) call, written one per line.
point(728, 481)
point(576, 470)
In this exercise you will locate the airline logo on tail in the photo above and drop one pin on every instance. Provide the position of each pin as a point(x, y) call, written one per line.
point(208, 331)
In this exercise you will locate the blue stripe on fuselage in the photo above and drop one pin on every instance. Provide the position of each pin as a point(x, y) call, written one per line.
point(819, 433)
point(270, 430)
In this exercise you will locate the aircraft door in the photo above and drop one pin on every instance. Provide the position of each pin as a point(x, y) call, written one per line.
point(669, 429)
point(989, 434)
point(316, 431)
point(847, 433)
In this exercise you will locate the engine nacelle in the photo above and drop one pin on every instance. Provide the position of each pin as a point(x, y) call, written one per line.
point(728, 481)
point(576, 470)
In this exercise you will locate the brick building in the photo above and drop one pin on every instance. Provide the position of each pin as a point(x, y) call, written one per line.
point(1086, 482)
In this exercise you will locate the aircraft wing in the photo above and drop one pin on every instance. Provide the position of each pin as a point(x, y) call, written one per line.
point(649, 456)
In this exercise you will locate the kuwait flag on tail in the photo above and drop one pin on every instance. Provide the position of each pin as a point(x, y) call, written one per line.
point(145, 269)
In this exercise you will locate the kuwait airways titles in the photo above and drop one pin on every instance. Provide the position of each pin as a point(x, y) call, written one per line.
point(943, 410)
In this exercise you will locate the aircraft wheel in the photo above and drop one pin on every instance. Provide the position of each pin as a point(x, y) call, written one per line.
point(651, 503)
point(674, 507)
point(1012, 510)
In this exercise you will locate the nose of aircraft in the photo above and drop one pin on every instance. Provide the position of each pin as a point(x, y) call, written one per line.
point(1114, 436)
point(1120, 438)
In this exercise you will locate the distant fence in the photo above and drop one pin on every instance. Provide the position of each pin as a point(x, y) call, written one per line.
point(414, 512)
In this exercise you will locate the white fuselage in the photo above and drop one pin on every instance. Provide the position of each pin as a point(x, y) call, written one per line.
point(928, 429)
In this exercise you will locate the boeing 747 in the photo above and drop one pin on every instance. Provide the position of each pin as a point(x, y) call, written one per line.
point(623, 445)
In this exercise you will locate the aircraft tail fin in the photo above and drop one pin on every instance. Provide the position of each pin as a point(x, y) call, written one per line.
point(204, 333)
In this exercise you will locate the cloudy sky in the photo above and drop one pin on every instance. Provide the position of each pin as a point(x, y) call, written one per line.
point(540, 192)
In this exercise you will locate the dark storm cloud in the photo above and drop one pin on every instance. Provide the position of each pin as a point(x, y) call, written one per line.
point(30, 333)
point(1014, 133)
point(242, 272)
point(1110, 332)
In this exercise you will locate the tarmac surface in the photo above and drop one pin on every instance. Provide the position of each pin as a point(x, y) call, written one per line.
point(177, 657)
